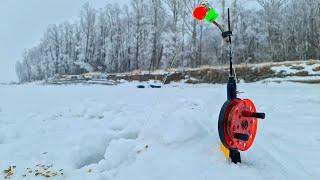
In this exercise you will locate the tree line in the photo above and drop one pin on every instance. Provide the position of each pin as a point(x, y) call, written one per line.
point(157, 34)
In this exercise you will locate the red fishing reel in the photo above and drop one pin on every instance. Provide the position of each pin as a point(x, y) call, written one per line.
point(237, 125)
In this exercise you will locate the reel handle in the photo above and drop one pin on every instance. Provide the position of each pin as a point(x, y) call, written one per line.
point(242, 137)
point(259, 115)
point(254, 114)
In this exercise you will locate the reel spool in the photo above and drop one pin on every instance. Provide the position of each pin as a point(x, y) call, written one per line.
point(238, 123)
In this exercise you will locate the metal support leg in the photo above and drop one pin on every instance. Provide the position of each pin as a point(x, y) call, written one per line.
point(235, 156)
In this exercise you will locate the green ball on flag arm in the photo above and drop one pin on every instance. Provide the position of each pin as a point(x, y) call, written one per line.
point(212, 15)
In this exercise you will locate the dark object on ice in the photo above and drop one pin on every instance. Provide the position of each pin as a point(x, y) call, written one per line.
point(141, 86)
point(155, 86)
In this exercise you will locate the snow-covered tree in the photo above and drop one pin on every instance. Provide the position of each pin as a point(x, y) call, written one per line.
point(155, 34)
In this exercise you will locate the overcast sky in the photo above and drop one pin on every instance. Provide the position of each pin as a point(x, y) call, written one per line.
point(22, 23)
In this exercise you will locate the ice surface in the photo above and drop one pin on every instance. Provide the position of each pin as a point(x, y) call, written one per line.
point(121, 132)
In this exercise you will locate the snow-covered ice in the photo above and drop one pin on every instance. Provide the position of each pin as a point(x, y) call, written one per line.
point(121, 132)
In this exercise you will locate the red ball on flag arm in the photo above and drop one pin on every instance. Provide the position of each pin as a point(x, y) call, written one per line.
point(200, 13)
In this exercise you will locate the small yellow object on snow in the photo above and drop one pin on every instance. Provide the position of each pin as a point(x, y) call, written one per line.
point(225, 151)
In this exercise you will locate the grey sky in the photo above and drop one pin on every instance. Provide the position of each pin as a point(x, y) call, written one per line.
point(22, 23)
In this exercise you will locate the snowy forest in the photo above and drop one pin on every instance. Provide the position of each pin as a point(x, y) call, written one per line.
point(153, 34)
